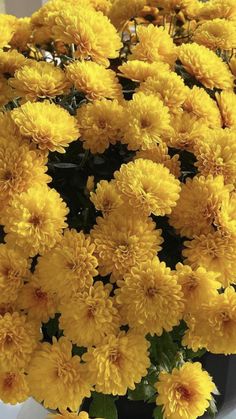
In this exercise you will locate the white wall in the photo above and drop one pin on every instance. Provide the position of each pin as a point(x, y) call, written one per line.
point(21, 8)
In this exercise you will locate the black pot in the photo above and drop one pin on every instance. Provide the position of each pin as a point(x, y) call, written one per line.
point(128, 409)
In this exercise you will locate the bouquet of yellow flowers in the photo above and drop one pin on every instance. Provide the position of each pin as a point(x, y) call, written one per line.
point(118, 204)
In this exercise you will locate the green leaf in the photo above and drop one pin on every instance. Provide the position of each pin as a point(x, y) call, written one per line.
point(191, 354)
point(103, 406)
point(145, 390)
point(157, 413)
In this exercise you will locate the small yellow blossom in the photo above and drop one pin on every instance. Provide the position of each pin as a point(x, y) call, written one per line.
point(13, 387)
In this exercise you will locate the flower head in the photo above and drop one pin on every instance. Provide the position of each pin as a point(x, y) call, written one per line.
point(13, 387)
point(185, 392)
point(218, 9)
point(227, 101)
point(8, 24)
point(11, 61)
point(216, 34)
point(159, 154)
point(121, 11)
point(6, 92)
point(69, 415)
point(139, 71)
point(23, 34)
point(106, 198)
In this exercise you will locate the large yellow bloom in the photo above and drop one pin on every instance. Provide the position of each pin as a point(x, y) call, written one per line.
point(18, 339)
point(35, 219)
point(46, 124)
point(72, 262)
point(156, 302)
point(14, 270)
point(124, 240)
point(227, 102)
point(106, 198)
point(11, 61)
point(13, 387)
point(8, 24)
point(91, 32)
point(147, 120)
point(185, 392)
point(6, 92)
point(148, 187)
point(118, 362)
point(53, 367)
point(69, 415)
point(159, 154)
point(205, 66)
point(214, 325)
point(139, 71)
point(121, 11)
point(216, 34)
point(100, 124)
point(23, 34)
point(39, 80)
point(218, 9)
point(93, 308)
point(95, 81)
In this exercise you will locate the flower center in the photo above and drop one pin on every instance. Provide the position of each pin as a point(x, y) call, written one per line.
point(183, 392)
point(225, 317)
point(35, 220)
point(91, 311)
point(145, 123)
point(9, 380)
point(102, 123)
point(40, 295)
point(8, 175)
point(115, 357)
point(8, 340)
point(151, 292)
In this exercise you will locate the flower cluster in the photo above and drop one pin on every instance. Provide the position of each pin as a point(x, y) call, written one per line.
point(117, 203)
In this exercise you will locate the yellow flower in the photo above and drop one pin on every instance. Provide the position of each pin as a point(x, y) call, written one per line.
point(39, 80)
point(95, 81)
point(72, 262)
point(159, 154)
point(216, 34)
point(23, 34)
point(155, 44)
point(225, 220)
point(106, 197)
point(124, 240)
point(14, 269)
point(232, 64)
point(213, 326)
point(147, 120)
point(118, 362)
point(46, 124)
point(36, 302)
point(209, 114)
point(218, 9)
point(53, 367)
point(156, 303)
point(185, 392)
point(100, 124)
point(121, 11)
point(227, 101)
point(198, 285)
point(205, 66)
point(93, 308)
point(6, 92)
point(69, 415)
point(216, 154)
point(18, 339)
point(215, 253)
point(91, 32)
point(103, 6)
point(139, 71)
point(173, 5)
point(147, 187)
point(200, 200)
point(9, 130)
point(11, 61)
point(35, 219)
point(167, 86)
point(13, 387)
point(8, 24)
point(21, 167)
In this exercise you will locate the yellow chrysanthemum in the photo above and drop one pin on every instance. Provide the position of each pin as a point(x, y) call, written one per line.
point(13, 387)
point(159, 154)
point(46, 124)
point(69, 415)
point(216, 34)
point(118, 362)
point(124, 240)
point(205, 66)
point(18, 339)
point(106, 197)
point(155, 44)
point(198, 285)
point(225, 220)
point(8, 24)
point(147, 187)
point(53, 367)
point(215, 253)
point(216, 154)
point(185, 392)
point(227, 102)
point(9, 130)
point(72, 262)
point(121, 11)
point(156, 302)
point(147, 119)
point(39, 80)
point(232, 64)
point(14, 269)
point(168, 86)
point(35, 219)
point(173, 5)
point(95, 81)
point(23, 34)
point(213, 326)
point(90, 31)
point(214, 9)
point(93, 308)
point(11, 61)
point(6, 92)
point(200, 200)
point(103, 6)
point(21, 167)
point(39, 304)
point(100, 124)
point(139, 71)
point(208, 114)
